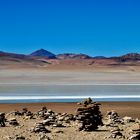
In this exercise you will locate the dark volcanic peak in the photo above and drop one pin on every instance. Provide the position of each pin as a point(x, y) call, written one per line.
point(73, 56)
point(43, 53)
point(131, 56)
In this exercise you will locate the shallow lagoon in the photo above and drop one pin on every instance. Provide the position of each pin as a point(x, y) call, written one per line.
point(68, 93)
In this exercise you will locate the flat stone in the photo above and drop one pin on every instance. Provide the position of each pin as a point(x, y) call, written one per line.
point(135, 127)
point(58, 131)
point(61, 118)
point(127, 119)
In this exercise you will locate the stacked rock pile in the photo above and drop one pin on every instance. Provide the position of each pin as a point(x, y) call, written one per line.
point(65, 117)
point(27, 113)
point(20, 113)
point(50, 117)
point(2, 119)
point(13, 121)
point(113, 117)
point(41, 112)
point(54, 119)
point(89, 115)
point(49, 121)
point(135, 134)
point(40, 127)
point(16, 113)
point(24, 112)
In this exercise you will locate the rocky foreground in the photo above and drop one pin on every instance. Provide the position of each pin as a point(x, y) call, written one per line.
point(86, 124)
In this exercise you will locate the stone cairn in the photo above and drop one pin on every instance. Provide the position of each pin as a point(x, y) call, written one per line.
point(13, 122)
point(2, 119)
point(113, 118)
point(54, 119)
point(89, 115)
point(135, 132)
point(24, 112)
point(41, 113)
point(40, 127)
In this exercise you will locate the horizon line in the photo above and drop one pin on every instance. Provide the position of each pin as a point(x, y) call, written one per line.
point(26, 54)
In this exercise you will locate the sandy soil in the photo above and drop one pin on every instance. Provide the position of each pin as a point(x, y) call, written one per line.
point(71, 131)
point(67, 75)
point(78, 76)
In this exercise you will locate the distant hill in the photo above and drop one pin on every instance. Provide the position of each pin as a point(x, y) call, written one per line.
point(19, 60)
point(100, 57)
point(130, 56)
point(43, 53)
point(45, 58)
point(73, 56)
point(13, 55)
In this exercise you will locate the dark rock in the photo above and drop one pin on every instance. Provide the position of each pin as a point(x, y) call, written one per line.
point(135, 137)
point(20, 138)
point(2, 119)
point(17, 113)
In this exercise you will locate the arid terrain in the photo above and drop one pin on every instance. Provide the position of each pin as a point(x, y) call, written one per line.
point(51, 75)
point(44, 67)
point(67, 69)
point(24, 126)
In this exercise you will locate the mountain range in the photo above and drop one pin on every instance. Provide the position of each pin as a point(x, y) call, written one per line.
point(43, 57)
point(42, 53)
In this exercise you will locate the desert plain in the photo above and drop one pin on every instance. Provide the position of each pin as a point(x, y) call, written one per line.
point(66, 74)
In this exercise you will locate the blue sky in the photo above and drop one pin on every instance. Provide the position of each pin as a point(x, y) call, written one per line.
point(94, 27)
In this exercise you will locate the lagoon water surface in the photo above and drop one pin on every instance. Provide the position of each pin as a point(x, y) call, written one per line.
point(68, 93)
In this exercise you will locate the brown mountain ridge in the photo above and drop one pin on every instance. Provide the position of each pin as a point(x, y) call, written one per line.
point(44, 58)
